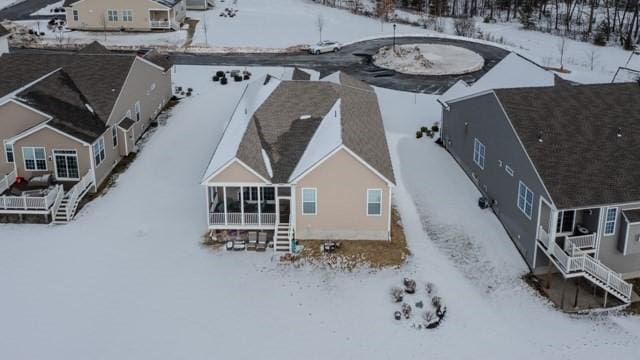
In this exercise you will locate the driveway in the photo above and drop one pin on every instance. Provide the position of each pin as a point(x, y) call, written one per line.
point(354, 60)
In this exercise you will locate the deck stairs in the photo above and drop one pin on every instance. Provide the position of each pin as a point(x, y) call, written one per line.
point(283, 237)
point(575, 262)
point(67, 206)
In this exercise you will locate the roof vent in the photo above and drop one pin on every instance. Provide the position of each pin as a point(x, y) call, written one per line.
point(619, 133)
point(305, 117)
point(540, 137)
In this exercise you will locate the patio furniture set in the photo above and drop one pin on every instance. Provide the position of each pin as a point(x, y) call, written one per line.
point(242, 240)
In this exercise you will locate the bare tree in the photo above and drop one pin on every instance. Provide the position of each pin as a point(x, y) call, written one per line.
point(592, 57)
point(320, 24)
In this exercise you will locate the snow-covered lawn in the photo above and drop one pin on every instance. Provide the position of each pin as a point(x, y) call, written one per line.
point(8, 3)
point(173, 39)
point(284, 23)
point(48, 10)
point(127, 279)
point(429, 59)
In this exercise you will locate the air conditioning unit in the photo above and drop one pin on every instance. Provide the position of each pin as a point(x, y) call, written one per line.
point(483, 203)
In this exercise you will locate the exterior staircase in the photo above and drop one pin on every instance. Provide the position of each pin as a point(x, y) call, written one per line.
point(574, 262)
point(67, 205)
point(283, 238)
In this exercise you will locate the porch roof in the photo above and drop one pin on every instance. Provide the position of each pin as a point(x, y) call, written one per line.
point(632, 215)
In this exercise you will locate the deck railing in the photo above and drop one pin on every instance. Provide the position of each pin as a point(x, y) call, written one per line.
point(78, 189)
point(160, 24)
point(30, 203)
point(581, 241)
point(7, 181)
point(237, 219)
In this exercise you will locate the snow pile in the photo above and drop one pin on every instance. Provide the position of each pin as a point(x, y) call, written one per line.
point(429, 59)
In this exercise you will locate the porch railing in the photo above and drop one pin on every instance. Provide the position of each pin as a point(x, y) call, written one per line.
point(581, 241)
point(543, 236)
point(160, 24)
point(30, 203)
point(7, 181)
point(236, 219)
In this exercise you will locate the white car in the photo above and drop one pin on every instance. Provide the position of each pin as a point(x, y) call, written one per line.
point(325, 47)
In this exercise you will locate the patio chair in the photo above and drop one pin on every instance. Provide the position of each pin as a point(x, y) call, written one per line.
point(239, 243)
point(262, 242)
point(252, 244)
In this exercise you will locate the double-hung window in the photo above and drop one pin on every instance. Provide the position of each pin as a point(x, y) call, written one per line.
point(138, 110)
point(35, 158)
point(610, 221)
point(525, 200)
point(127, 15)
point(98, 151)
point(76, 15)
point(112, 15)
point(309, 201)
point(8, 153)
point(374, 202)
point(479, 152)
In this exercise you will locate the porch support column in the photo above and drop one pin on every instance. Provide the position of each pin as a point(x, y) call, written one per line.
point(260, 205)
point(242, 204)
point(224, 195)
point(553, 222)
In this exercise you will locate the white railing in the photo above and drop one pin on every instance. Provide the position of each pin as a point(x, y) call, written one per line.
point(216, 218)
point(160, 24)
point(562, 258)
point(543, 236)
point(268, 219)
point(30, 203)
point(234, 218)
point(73, 195)
point(581, 241)
point(7, 181)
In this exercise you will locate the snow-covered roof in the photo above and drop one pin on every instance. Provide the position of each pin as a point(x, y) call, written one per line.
point(513, 71)
point(280, 129)
point(255, 93)
point(326, 139)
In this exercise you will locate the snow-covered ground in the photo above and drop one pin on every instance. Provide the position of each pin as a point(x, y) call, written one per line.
point(127, 279)
point(429, 59)
point(48, 10)
point(173, 39)
point(8, 3)
point(284, 23)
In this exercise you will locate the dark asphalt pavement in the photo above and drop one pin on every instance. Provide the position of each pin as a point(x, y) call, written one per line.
point(353, 60)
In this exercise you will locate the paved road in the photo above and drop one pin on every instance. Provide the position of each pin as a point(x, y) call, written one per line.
point(23, 10)
point(353, 59)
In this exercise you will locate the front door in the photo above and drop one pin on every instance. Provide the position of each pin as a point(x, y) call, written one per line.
point(284, 210)
point(66, 162)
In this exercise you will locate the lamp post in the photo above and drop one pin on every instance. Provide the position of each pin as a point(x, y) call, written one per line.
point(394, 37)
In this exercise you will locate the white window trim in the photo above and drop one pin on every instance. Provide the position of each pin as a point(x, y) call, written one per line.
point(55, 168)
point(508, 169)
point(381, 193)
point(615, 221)
point(137, 109)
point(35, 160)
point(523, 209)
point(479, 145)
point(112, 15)
point(97, 153)
point(127, 15)
point(6, 155)
point(315, 193)
point(76, 15)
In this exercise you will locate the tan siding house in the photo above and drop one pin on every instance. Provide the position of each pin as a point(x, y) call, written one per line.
point(128, 15)
point(68, 120)
point(302, 169)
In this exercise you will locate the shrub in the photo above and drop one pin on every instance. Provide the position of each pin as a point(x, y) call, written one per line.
point(424, 129)
point(465, 26)
point(418, 134)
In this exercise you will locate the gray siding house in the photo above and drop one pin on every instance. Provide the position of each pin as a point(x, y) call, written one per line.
point(561, 170)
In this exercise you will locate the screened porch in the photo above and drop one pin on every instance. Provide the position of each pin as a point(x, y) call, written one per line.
point(238, 207)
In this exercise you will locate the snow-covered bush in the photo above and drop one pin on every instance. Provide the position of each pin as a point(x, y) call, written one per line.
point(465, 26)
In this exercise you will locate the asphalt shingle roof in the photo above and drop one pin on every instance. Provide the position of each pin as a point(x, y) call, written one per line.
point(633, 215)
point(285, 123)
point(99, 77)
point(58, 96)
point(3, 31)
point(581, 159)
